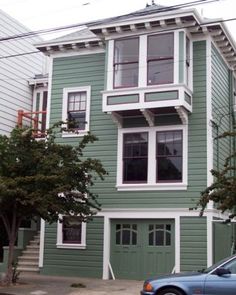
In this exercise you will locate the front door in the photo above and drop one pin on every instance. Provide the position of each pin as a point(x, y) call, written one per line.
point(142, 248)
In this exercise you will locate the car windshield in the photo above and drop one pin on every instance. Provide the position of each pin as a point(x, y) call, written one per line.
point(209, 269)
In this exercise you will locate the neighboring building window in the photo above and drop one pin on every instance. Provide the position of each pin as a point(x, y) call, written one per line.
point(152, 158)
point(76, 108)
point(135, 157)
point(169, 156)
point(160, 59)
point(71, 232)
point(126, 63)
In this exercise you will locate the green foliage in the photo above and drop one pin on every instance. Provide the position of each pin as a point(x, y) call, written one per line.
point(223, 190)
point(43, 178)
point(15, 273)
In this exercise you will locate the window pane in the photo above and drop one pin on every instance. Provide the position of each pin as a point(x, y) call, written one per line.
point(126, 75)
point(127, 50)
point(77, 120)
point(72, 228)
point(77, 110)
point(160, 71)
point(160, 59)
point(169, 156)
point(125, 237)
point(160, 46)
point(135, 157)
point(159, 238)
point(126, 61)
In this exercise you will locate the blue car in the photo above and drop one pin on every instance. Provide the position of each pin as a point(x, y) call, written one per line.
point(219, 279)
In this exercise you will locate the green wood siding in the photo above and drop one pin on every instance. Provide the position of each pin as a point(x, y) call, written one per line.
point(193, 243)
point(221, 109)
point(75, 262)
point(222, 232)
point(89, 70)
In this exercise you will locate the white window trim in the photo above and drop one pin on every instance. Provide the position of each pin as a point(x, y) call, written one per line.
point(143, 60)
point(61, 245)
point(151, 183)
point(66, 91)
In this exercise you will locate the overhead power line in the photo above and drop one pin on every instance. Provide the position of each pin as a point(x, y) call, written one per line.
point(97, 22)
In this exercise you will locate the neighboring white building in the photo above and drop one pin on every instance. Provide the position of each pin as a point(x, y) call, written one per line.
point(18, 64)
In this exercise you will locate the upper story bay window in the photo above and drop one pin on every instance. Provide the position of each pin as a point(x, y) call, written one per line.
point(126, 63)
point(160, 59)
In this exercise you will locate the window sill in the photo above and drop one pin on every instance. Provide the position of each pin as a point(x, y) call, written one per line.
point(71, 246)
point(152, 187)
point(72, 134)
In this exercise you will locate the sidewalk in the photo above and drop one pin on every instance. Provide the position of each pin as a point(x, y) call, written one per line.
point(48, 285)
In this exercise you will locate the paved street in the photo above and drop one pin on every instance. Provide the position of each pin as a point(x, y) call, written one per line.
point(47, 285)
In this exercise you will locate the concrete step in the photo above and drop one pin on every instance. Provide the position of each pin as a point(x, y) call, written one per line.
point(34, 242)
point(28, 258)
point(30, 253)
point(28, 269)
point(24, 263)
point(32, 247)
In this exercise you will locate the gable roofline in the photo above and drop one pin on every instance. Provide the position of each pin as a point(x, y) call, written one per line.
point(158, 21)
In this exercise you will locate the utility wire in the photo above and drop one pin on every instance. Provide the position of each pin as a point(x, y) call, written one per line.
point(97, 22)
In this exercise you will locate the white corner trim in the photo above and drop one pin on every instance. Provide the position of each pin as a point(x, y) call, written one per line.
point(209, 240)
point(109, 74)
point(210, 141)
point(177, 244)
point(41, 243)
point(50, 68)
point(106, 247)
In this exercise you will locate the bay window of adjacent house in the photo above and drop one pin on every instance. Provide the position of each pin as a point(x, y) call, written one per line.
point(160, 59)
point(135, 157)
point(76, 110)
point(169, 153)
point(126, 62)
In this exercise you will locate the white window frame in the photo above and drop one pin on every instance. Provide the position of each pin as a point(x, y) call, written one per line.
point(61, 245)
point(143, 60)
point(151, 182)
point(66, 91)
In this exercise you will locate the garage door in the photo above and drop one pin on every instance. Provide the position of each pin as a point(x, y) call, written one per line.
point(142, 248)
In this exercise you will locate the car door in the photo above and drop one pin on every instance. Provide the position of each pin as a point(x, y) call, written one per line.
point(222, 284)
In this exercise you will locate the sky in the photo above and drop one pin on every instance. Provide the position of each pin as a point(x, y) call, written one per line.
point(43, 14)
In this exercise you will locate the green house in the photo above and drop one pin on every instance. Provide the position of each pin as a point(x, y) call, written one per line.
point(156, 87)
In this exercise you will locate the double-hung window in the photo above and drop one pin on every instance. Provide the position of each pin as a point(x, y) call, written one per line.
point(135, 157)
point(76, 108)
point(160, 59)
point(169, 157)
point(152, 158)
point(126, 63)
point(71, 233)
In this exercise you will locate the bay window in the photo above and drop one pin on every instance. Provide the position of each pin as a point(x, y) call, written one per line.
point(160, 59)
point(126, 62)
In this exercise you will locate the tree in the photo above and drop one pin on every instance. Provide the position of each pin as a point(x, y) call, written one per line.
point(41, 178)
point(223, 190)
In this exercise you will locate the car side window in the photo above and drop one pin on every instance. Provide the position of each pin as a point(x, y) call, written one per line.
point(231, 266)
